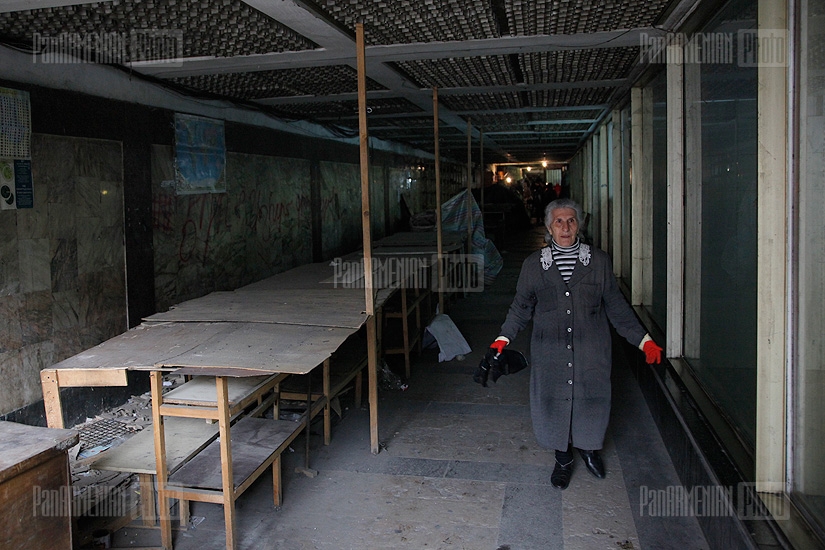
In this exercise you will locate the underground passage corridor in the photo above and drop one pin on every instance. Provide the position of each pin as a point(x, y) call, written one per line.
point(459, 466)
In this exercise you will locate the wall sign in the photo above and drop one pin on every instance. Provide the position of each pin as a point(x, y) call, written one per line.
point(15, 150)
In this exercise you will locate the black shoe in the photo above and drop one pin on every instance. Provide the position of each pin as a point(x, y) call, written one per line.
point(593, 462)
point(560, 478)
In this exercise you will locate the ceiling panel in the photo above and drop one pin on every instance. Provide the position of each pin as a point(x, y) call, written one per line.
point(532, 76)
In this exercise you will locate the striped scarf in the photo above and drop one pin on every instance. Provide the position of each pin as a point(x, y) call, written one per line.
point(565, 258)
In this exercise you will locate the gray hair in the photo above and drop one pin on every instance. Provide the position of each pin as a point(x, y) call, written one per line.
point(557, 204)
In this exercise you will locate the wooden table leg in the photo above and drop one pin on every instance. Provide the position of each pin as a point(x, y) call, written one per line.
point(51, 398)
point(156, 384)
point(147, 499)
point(228, 483)
point(372, 366)
point(405, 331)
point(277, 487)
point(328, 406)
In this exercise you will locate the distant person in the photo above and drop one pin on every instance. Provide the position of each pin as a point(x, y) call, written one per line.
point(569, 292)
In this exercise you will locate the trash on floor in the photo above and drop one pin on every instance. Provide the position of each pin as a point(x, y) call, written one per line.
point(451, 343)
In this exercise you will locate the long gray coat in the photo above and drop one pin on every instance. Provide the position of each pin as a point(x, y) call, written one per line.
point(570, 346)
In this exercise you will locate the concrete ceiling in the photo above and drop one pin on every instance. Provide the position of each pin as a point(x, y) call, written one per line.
point(533, 77)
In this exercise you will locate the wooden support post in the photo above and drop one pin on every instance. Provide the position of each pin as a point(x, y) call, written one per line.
point(147, 499)
point(161, 473)
point(405, 329)
point(616, 185)
point(440, 255)
point(372, 352)
point(328, 406)
point(277, 486)
point(372, 362)
point(227, 481)
point(469, 181)
point(483, 170)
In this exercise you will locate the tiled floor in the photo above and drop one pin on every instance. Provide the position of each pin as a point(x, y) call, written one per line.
point(459, 468)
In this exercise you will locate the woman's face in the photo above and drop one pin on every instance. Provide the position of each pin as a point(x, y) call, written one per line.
point(563, 226)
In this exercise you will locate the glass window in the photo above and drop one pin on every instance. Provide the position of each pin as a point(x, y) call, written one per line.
point(808, 475)
point(720, 306)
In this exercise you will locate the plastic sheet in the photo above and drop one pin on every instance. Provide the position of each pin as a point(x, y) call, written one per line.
point(454, 218)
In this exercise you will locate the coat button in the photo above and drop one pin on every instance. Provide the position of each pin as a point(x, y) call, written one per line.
point(569, 364)
point(568, 312)
point(569, 346)
point(567, 293)
point(569, 381)
point(569, 329)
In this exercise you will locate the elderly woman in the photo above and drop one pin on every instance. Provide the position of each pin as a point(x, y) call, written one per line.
point(568, 289)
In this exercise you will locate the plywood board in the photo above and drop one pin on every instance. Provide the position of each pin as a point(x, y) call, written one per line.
point(316, 307)
point(203, 392)
point(143, 346)
point(254, 440)
point(322, 276)
point(307, 276)
point(185, 437)
point(291, 349)
point(422, 251)
point(421, 238)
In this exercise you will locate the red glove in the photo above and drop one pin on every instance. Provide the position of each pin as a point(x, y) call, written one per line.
point(653, 353)
point(498, 345)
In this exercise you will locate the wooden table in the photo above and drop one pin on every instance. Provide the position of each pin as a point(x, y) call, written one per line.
point(224, 352)
point(288, 324)
point(35, 486)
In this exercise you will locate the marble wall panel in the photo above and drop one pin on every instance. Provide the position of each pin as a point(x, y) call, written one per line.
point(35, 265)
point(273, 209)
point(377, 216)
point(100, 295)
point(397, 181)
point(66, 311)
point(11, 335)
point(221, 241)
point(340, 208)
point(67, 257)
point(63, 264)
point(9, 267)
point(20, 372)
point(31, 223)
point(88, 198)
point(62, 220)
point(36, 317)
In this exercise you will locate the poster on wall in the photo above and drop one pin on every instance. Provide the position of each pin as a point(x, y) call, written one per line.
point(15, 150)
point(200, 155)
point(16, 190)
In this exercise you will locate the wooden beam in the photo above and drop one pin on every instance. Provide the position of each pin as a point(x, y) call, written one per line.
point(366, 228)
point(91, 377)
point(469, 181)
point(51, 398)
point(372, 342)
point(161, 472)
point(227, 481)
point(636, 213)
point(372, 375)
point(616, 184)
point(440, 249)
